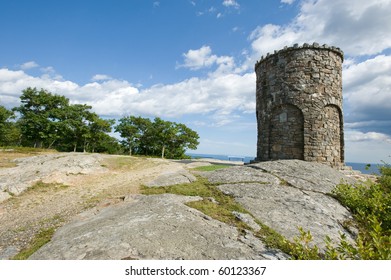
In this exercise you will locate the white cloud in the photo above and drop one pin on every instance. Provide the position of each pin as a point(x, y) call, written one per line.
point(358, 27)
point(218, 95)
point(28, 65)
point(203, 58)
point(100, 77)
point(289, 2)
point(367, 89)
point(231, 3)
point(358, 136)
point(196, 59)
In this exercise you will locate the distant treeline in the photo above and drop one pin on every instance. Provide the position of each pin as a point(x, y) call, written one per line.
point(46, 120)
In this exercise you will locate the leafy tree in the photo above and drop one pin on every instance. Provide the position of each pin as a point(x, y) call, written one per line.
point(97, 129)
point(48, 120)
point(9, 131)
point(40, 114)
point(134, 131)
point(157, 137)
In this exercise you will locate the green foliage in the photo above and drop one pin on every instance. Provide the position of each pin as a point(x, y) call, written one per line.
point(141, 136)
point(301, 248)
point(48, 120)
point(371, 205)
point(9, 130)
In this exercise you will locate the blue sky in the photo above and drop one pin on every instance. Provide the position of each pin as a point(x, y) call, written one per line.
point(193, 61)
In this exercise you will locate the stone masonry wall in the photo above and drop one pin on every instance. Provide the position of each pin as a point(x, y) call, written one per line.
point(299, 104)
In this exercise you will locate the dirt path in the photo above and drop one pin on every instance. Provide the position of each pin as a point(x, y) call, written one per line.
point(50, 205)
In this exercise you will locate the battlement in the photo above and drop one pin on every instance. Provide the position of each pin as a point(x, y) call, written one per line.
point(295, 47)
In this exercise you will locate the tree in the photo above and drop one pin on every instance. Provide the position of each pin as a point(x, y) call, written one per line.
point(9, 131)
point(134, 131)
point(157, 138)
point(97, 129)
point(48, 120)
point(40, 114)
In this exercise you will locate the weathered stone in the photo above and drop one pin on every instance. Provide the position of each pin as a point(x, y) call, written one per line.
point(296, 196)
point(311, 176)
point(152, 227)
point(298, 90)
point(49, 168)
point(172, 178)
point(240, 175)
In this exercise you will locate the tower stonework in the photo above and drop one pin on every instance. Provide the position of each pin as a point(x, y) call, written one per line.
point(299, 104)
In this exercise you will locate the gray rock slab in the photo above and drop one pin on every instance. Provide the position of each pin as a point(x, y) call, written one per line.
point(305, 175)
point(152, 227)
point(172, 178)
point(239, 174)
point(284, 209)
point(48, 168)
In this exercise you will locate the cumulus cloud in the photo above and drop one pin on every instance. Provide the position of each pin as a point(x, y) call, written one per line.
point(203, 58)
point(231, 3)
point(358, 136)
point(218, 95)
point(28, 65)
point(360, 27)
point(100, 77)
point(289, 2)
point(367, 90)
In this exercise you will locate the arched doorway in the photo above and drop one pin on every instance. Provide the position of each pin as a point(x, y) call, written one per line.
point(286, 133)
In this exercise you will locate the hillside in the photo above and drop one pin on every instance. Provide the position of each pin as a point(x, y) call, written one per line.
point(120, 207)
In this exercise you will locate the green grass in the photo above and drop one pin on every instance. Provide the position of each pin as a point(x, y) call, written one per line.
point(212, 167)
point(40, 239)
point(45, 187)
point(222, 210)
point(219, 206)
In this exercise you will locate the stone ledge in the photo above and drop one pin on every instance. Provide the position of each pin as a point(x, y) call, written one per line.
point(295, 47)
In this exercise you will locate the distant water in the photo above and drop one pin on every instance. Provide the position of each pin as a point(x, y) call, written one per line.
point(372, 168)
point(362, 167)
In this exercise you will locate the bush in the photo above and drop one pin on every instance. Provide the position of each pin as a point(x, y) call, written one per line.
point(371, 206)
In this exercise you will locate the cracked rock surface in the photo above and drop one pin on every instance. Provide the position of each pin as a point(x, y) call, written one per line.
point(283, 195)
point(60, 168)
point(289, 194)
point(172, 178)
point(151, 227)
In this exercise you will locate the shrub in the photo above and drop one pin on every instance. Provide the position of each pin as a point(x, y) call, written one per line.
point(371, 206)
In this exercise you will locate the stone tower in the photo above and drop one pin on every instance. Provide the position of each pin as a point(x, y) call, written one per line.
point(299, 104)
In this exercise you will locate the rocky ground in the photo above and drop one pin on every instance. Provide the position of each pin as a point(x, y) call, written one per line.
point(100, 213)
point(64, 185)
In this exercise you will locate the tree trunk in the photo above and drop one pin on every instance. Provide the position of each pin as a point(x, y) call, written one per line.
point(74, 148)
point(130, 151)
point(51, 144)
point(164, 147)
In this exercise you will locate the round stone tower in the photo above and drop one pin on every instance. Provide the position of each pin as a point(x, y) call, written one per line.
point(299, 104)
